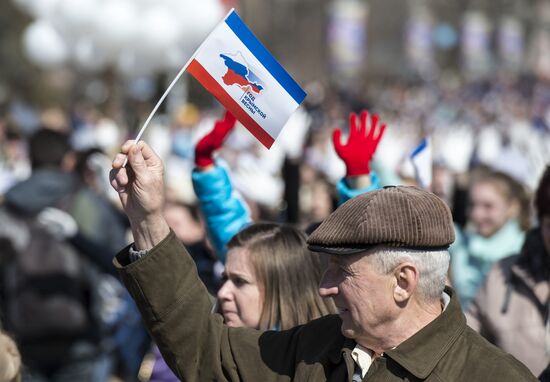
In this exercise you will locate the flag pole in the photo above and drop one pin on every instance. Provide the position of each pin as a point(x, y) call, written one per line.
point(180, 73)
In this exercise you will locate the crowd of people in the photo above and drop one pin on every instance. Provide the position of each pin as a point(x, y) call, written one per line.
point(318, 234)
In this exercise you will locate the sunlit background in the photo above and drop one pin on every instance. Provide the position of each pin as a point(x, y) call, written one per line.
point(472, 74)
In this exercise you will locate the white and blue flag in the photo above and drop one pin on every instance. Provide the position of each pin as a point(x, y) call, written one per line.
point(421, 158)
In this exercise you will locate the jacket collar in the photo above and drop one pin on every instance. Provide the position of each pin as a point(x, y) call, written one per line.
point(347, 345)
point(422, 352)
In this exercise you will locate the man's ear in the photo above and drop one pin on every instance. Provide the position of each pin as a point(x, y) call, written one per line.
point(406, 277)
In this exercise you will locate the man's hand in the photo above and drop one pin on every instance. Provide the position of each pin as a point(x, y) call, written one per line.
point(213, 141)
point(140, 186)
point(362, 142)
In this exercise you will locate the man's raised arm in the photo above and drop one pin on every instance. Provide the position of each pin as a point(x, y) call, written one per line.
point(175, 305)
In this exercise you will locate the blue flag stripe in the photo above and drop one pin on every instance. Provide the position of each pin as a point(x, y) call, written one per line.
point(420, 148)
point(262, 54)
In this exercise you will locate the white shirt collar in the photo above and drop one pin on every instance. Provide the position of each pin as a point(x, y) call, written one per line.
point(363, 358)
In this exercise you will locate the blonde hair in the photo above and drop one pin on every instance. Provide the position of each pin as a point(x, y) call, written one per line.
point(288, 274)
point(10, 360)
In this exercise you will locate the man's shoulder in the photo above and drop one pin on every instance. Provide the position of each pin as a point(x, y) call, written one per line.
point(322, 336)
point(317, 337)
point(318, 342)
point(310, 333)
point(477, 358)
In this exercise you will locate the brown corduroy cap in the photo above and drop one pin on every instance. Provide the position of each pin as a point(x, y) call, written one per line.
point(400, 216)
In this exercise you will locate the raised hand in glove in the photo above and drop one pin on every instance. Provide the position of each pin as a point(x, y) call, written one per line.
point(213, 141)
point(362, 142)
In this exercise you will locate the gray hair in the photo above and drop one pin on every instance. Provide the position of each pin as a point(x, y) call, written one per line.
point(432, 266)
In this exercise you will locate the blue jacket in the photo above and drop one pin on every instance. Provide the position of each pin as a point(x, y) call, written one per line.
point(224, 210)
point(345, 193)
point(226, 213)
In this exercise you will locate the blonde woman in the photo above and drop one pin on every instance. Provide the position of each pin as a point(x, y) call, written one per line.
point(271, 279)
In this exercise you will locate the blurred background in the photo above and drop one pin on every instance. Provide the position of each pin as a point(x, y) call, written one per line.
point(470, 72)
point(474, 76)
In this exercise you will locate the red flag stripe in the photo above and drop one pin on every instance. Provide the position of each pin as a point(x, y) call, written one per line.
point(198, 71)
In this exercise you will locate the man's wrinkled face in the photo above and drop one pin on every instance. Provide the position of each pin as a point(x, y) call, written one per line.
point(363, 296)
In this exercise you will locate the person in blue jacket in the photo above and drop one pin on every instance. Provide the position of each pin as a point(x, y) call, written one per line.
point(224, 209)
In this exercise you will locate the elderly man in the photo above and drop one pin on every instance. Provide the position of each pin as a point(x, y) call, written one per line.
point(397, 320)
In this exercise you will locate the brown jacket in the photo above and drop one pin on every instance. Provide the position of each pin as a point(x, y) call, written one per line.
point(511, 308)
point(199, 347)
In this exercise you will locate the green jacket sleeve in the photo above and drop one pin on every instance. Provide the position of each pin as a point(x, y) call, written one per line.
point(196, 345)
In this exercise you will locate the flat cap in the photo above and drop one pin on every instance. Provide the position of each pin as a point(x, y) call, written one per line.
point(395, 216)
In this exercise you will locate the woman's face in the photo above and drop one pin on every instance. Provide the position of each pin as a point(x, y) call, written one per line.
point(545, 228)
point(489, 209)
point(240, 297)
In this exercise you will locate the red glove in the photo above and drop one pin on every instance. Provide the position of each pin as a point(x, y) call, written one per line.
point(213, 140)
point(362, 143)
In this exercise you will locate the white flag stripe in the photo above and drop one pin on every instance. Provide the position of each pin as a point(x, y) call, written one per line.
point(277, 107)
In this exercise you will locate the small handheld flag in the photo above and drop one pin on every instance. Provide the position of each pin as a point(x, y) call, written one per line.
point(421, 158)
point(239, 71)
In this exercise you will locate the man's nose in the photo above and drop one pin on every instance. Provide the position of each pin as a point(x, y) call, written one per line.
point(328, 287)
